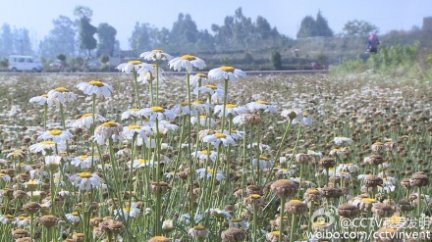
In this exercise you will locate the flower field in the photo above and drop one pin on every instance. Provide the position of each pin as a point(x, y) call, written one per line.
point(213, 156)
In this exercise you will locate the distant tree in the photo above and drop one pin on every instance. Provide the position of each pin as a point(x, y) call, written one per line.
point(60, 40)
point(22, 43)
point(307, 27)
point(321, 26)
point(276, 60)
point(144, 37)
point(358, 28)
point(6, 40)
point(86, 30)
point(107, 41)
point(184, 30)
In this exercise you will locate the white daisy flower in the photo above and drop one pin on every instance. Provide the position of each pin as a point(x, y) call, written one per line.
point(131, 211)
point(262, 162)
point(86, 120)
point(86, 181)
point(164, 127)
point(218, 138)
point(237, 134)
point(139, 132)
point(205, 155)
point(262, 147)
point(5, 177)
point(157, 112)
point(53, 161)
point(209, 172)
point(147, 76)
point(155, 55)
point(197, 106)
point(134, 66)
point(95, 87)
point(142, 163)
point(131, 113)
point(226, 73)
point(203, 121)
point(197, 79)
point(347, 167)
point(83, 161)
point(56, 135)
point(216, 92)
point(261, 106)
point(73, 217)
point(231, 109)
point(41, 100)
point(22, 221)
point(109, 129)
point(45, 145)
point(342, 140)
point(186, 62)
point(61, 95)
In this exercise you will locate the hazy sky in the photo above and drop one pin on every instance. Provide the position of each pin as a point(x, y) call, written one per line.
point(286, 15)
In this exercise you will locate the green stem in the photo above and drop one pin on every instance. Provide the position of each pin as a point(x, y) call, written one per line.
point(281, 218)
point(224, 104)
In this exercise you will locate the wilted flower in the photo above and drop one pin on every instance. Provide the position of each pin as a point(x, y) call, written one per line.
point(107, 130)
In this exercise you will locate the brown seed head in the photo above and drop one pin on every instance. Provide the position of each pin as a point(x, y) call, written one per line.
point(284, 187)
point(233, 235)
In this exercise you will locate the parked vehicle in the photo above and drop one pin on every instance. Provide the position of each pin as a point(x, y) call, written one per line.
point(24, 63)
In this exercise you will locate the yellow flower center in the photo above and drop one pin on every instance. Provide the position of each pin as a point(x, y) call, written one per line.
point(211, 86)
point(83, 157)
point(47, 142)
point(85, 174)
point(158, 109)
point(202, 75)
point(263, 157)
point(142, 161)
point(227, 68)
point(96, 83)
point(295, 201)
point(203, 116)
point(368, 200)
point(220, 135)
point(32, 182)
point(204, 152)
point(211, 171)
point(159, 238)
point(197, 102)
point(134, 126)
point(126, 209)
point(133, 110)
point(87, 115)
point(75, 213)
point(157, 51)
point(199, 227)
point(312, 190)
point(44, 95)
point(230, 105)
point(61, 89)
point(255, 196)
point(185, 103)
point(55, 132)
point(110, 124)
point(276, 233)
point(262, 102)
point(188, 57)
point(395, 219)
point(134, 62)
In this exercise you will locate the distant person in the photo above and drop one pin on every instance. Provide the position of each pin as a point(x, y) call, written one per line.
point(373, 42)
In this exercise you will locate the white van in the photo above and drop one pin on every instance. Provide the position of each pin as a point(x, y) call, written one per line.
point(24, 63)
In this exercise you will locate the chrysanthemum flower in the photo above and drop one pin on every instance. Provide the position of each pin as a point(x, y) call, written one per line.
point(95, 87)
point(141, 163)
point(61, 95)
point(155, 55)
point(186, 62)
point(203, 172)
point(134, 65)
point(342, 140)
point(86, 120)
point(164, 127)
point(137, 131)
point(203, 121)
point(73, 217)
point(5, 177)
point(107, 130)
point(131, 211)
point(83, 161)
point(131, 113)
point(205, 155)
point(218, 138)
point(22, 221)
point(157, 112)
point(56, 135)
point(53, 161)
point(226, 73)
point(196, 107)
point(45, 145)
point(231, 109)
point(261, 105)
point(263, 162)
point(296, 117)
point(41, 100)
point(198, 78)
point(86, 181)
point(216, 92)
